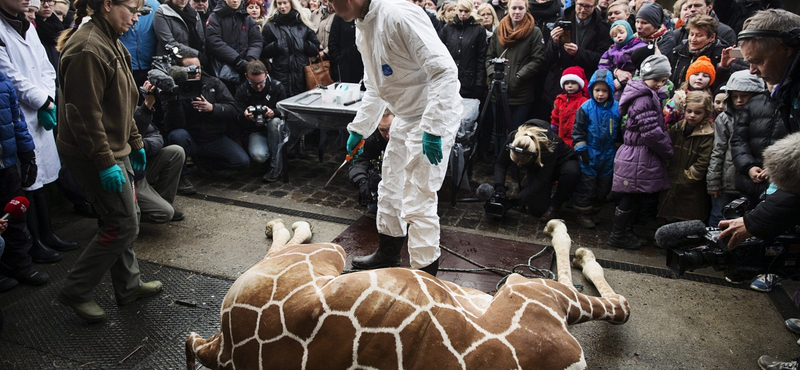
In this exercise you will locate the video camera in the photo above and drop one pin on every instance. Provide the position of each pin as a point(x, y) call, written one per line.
point(497, 205)
point(752, 257)
point(258, 111)
point(499, 68)
point(171, 79)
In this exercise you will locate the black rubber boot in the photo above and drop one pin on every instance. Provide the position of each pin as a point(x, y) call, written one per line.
point(39, 252)
point(387, 254)
point(621, 237)
point(45, 233)
point(432, 269)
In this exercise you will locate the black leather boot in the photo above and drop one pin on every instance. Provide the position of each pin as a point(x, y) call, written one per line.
point(45, 233)
point(39, 252)
point(387, 254)
point(432, 269)
point(621, 236)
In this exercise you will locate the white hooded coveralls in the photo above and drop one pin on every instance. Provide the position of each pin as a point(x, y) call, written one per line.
point(407, 67)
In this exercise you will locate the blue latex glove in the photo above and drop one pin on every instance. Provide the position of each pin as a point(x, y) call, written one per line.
point(47, 117)
point(112, 179)
point(138, 160)
point(352, 141)
point(432, 147)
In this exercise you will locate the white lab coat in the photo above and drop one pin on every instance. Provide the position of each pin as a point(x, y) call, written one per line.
point(407, 67)
point(25, 62)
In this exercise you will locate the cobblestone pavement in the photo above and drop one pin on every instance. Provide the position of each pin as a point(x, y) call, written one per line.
point(307, 178)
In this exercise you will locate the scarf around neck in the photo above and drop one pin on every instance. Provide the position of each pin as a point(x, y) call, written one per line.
point(286, 19)
point(508, 36)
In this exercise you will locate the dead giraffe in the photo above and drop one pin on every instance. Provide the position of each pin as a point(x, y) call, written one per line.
point(293, 310)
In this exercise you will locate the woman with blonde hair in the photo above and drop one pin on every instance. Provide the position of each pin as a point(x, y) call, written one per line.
point(289, 40)
point(546, 160)
point(447, 12)
point(464, 39)
point(488, 18)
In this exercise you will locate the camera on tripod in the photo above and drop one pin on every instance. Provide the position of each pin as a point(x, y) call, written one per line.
point(499, 68)
point(752, 257)
point(258, 111)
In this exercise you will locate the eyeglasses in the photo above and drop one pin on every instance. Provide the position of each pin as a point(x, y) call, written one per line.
point(584, 6)
point(47, 2)
point(200, 1)
point(145, 10)
point(251, 83)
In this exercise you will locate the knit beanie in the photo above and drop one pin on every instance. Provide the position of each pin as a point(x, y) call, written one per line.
point(654, 67)
point(702, 64)
point(574, 74)
point(628, 29)
point(651, 13)
point(35, 3)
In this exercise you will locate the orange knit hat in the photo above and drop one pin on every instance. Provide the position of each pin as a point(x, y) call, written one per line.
point(702, 64)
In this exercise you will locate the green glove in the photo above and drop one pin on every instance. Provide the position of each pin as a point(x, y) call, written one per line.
point(47, 117)
point(352, 141)
point(138, 160)
point(432, 148)
point(112, 179)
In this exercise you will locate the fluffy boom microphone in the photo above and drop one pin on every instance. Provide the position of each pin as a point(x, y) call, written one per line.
point(15, 208)
point(178, 74)
point(161, 80)
point(681, 234)
point(484, 192)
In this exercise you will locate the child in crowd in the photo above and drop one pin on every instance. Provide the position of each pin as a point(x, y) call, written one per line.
point(618, 57)
point(721, 177)
point(719, 102)
point(699, 77)
point(597, 128)
point(639, 165)
point(562, 118)
point(692, 139)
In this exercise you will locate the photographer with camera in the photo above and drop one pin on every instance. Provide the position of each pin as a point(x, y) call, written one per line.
point(579, 38)
point(365, 174)
point(256, 101)
point(547, 159)
point(198, 120)
point(770, 42)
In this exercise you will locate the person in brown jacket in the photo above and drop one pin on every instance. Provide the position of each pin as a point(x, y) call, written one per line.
point(99, 142)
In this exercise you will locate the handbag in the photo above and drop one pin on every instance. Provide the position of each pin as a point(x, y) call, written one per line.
point(317, 73)
point(226, 73)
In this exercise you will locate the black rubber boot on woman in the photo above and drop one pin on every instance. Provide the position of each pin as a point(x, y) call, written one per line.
point(387, 254)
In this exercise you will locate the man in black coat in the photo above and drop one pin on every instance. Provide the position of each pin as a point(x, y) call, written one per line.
point(346, 63)
point(588, 40)
point(201, 126)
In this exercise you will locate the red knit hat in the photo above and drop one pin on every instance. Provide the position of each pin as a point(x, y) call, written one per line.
point(575, 74)
point(702, 64)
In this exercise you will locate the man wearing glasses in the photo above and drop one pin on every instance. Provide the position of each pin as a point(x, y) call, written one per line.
point(256, 101)
point(201, 6)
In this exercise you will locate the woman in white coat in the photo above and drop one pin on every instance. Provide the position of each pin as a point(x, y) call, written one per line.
point(25, 62)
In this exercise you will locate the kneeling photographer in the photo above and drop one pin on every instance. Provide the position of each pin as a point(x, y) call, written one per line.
point(365, 174)
point(198, 120)
point(259, 118)
point(546, 159)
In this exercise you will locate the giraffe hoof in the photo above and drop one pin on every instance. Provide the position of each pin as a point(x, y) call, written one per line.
point(271, 226)
point(552, 225)
point(582, 256)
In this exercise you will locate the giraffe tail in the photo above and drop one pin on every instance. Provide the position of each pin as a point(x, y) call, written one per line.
point(206, 351)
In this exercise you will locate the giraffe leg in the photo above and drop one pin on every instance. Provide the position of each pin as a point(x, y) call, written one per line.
point(562, 244)
point(279, 234)
point(302, 233)
point(204, 350)
point(585, 260)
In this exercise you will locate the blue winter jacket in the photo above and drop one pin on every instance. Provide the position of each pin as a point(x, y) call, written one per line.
point(14, 135)
point(140, 40)
point(597, 127)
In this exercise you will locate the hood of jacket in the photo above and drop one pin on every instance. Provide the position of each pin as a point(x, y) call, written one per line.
point(468, 22)
point(636, 89)
point(745, 81)
point(602, 75)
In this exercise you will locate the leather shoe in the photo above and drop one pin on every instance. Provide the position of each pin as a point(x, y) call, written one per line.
point(178, 216)
point(59, 244)
point(40, 253)
point(88, 311)
point(30, 276)
point(7, 283)
point(147, 289)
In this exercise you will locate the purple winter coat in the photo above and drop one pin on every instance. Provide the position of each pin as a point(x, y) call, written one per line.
point(639, 166)
point(620, 57)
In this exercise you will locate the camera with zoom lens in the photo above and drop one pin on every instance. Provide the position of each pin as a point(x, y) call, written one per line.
point(752, 257)
point(258, 111)
point(499, 68)
point(497, 205)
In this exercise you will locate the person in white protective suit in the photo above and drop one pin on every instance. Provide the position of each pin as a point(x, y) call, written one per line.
point(406, 67)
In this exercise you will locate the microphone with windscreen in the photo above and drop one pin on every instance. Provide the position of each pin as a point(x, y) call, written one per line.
point(15, 208)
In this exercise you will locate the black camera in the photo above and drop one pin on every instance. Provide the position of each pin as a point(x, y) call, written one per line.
point(752, 257)
point(497, 205)
point(499, 68)
point(565, 25)
point(258, 111)
point(193, 71)
point(190, 89)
